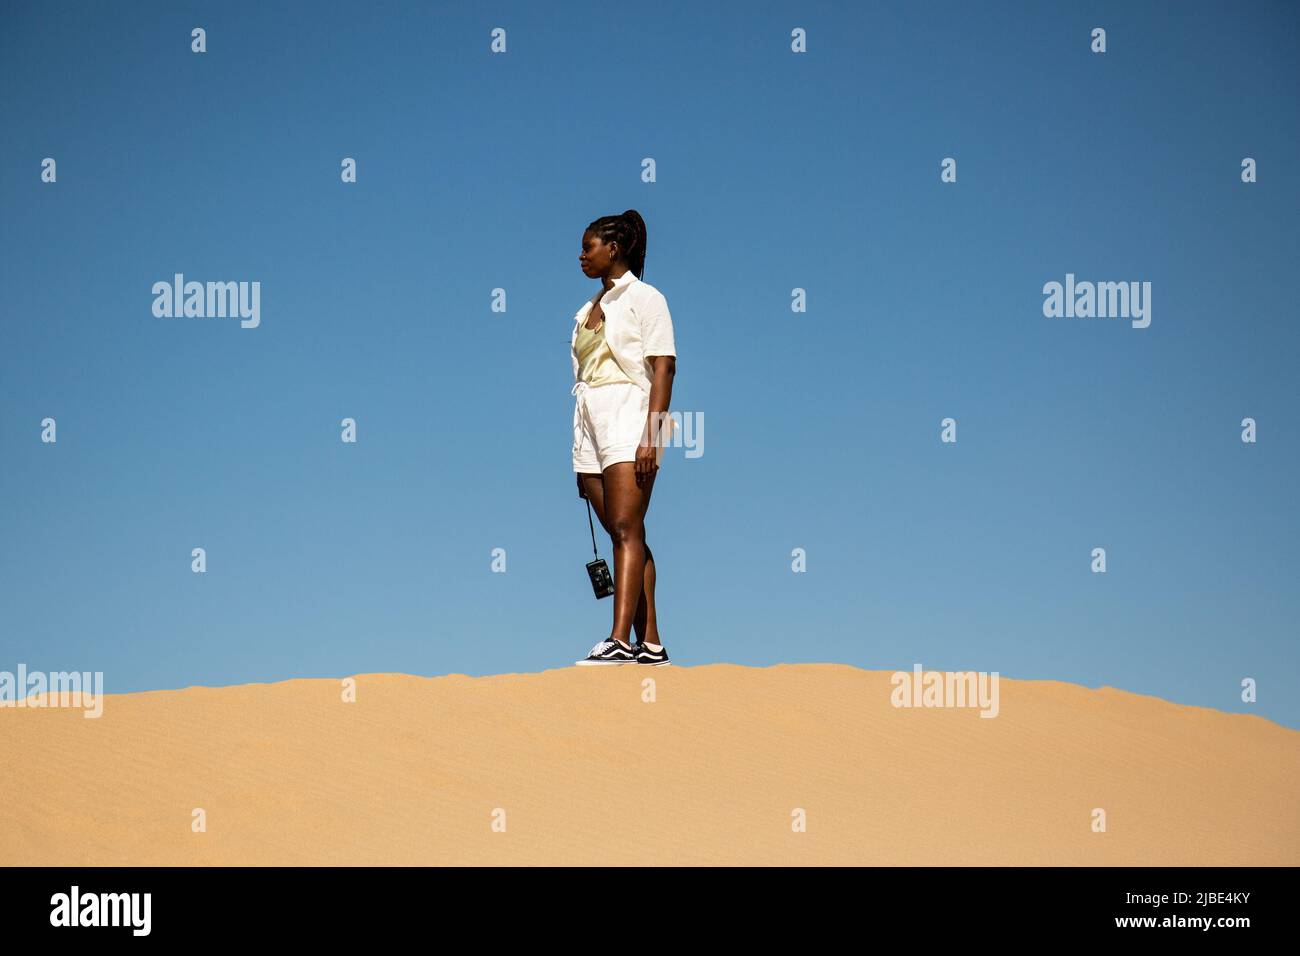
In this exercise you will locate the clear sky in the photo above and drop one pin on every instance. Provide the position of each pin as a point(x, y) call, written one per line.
point(775, 171)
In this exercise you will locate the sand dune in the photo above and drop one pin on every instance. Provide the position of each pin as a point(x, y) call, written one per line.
point(416, 770)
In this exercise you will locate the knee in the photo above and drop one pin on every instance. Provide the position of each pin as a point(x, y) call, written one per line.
point(624, 532)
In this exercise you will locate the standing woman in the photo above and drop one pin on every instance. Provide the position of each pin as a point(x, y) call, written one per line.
point(624, 359)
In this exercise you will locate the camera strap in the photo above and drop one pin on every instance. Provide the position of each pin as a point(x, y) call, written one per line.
point(593, 529)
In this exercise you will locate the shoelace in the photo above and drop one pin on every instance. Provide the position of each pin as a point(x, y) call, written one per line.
point(600, 648)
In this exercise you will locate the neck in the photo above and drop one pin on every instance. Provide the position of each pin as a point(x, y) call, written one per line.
point(608, 281)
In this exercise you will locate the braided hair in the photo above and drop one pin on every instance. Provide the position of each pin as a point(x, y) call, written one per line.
point(628, 230)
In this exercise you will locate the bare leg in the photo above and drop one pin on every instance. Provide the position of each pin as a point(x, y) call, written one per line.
point(644, 623)
point(626, 502)
point(620, 504)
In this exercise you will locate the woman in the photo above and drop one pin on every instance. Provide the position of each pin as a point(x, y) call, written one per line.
point(624, 359)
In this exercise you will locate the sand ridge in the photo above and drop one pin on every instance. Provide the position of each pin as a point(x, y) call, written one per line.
point(721, 758)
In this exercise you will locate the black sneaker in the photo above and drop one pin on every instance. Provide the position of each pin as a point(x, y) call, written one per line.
point(655, 658)
point(609, 652)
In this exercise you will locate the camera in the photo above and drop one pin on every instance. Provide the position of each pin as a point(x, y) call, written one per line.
point(601, 582)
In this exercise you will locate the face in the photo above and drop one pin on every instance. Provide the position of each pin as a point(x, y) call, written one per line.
point(596, 255)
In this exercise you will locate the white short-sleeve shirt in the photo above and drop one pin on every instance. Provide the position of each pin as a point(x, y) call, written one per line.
point(637, 326)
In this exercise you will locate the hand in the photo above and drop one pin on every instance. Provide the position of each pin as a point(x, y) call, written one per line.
point(581, 490)
point(646, 465)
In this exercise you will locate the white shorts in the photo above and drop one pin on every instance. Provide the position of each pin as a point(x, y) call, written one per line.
point(608, 425)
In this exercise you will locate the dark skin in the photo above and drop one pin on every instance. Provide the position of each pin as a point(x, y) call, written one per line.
point(620, 495)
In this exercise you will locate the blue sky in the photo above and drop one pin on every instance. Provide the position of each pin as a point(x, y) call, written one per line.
point(775, 171)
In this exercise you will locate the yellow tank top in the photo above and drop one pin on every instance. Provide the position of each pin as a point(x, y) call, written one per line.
point(596, 363)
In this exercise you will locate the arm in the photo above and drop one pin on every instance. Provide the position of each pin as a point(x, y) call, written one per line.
point(661, 353)
point(656, 429)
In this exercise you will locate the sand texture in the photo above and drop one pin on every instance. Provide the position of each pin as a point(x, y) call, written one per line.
point(635, 765)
